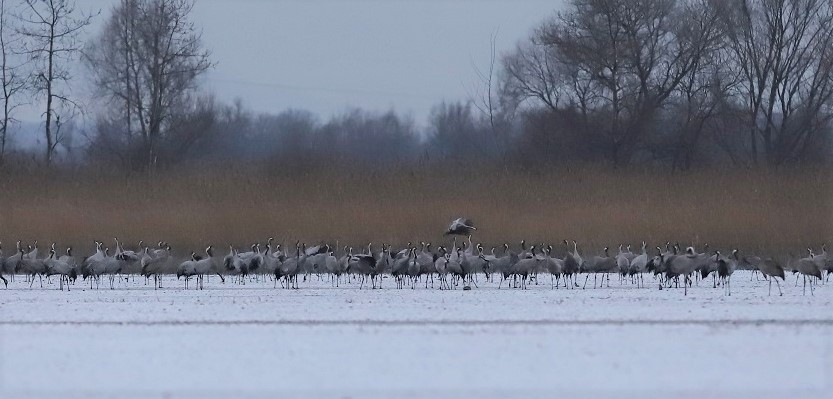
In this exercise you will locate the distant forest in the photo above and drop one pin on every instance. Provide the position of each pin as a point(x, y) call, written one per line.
point(676, 84)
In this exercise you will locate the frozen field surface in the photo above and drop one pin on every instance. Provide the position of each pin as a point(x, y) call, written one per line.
point(234, 340)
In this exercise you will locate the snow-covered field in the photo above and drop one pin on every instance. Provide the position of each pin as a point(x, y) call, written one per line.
point(253, 340)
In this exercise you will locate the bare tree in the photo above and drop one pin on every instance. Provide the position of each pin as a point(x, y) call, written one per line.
point(197, 125)
point(12, 81)
point(636, 53)
point(51, 29)
point(700, 96)
point(497, 109)
point(532, 73)
point(149, 56)
point(485, 99)
point(783, 50)
point(702, 91)
point(453, 132)
point(110, 57)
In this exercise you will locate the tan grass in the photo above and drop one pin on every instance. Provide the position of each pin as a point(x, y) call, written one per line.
point(758, 211)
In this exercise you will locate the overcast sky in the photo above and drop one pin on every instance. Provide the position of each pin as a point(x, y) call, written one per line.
point(329, 55)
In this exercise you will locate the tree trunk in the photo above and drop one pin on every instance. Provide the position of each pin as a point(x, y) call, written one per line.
point(50, 147)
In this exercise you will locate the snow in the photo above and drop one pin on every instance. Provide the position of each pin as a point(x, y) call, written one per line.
point(321, 341)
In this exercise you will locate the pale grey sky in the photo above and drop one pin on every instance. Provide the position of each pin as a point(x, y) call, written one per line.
point(329, 55)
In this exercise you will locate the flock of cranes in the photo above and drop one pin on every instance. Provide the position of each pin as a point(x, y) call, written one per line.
point(461, 264)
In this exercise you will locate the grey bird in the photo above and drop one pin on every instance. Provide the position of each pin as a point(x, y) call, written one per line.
point(772, 268)
point(461, 227)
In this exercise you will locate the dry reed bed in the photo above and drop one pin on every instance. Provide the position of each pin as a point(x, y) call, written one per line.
point(764, 212)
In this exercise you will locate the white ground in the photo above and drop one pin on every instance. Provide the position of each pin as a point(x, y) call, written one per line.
point(319, 341)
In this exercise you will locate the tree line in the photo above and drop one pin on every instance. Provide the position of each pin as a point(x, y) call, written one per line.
point(678, 83)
